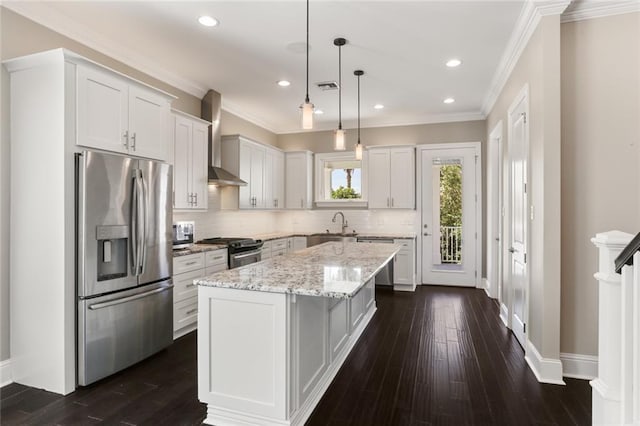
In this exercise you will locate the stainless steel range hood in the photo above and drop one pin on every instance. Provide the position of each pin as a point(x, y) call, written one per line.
point(210, 110)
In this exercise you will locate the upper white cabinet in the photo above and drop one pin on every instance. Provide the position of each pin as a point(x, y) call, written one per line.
point(299, 179)
point(274, 179)
point(392, 178)
point(257, 164)
point(190, 162)
point(120, 115)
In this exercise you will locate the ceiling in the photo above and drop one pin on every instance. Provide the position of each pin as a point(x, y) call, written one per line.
point(401, 45)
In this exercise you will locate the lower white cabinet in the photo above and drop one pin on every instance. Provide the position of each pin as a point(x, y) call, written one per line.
point(404, 268)
point(298, 243)
point(186, 269)
point(338, 325)
point(282, 246)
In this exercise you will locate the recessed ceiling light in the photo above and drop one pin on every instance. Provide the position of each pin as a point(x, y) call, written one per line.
point(284, 83)
point(449, 101)
point(378, 106)
point(452, 63)
point(208, 21)
point(318, 111)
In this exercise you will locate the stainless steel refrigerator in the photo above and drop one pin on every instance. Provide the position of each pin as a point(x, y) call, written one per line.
point(124, 262)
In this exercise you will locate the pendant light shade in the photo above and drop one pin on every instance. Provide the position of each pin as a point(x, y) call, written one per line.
point(339, 137)
point(307, 106)
point(358, 73)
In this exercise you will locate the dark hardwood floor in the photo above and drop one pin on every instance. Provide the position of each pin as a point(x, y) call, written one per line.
point(439, 356)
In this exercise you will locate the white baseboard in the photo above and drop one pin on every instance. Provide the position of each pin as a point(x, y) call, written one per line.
point(578, 366)
point(504, 314)
point(5, 372)
point(547, 370)
point(404, 287)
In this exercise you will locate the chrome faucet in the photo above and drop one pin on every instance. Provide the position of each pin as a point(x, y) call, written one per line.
point(345, 224)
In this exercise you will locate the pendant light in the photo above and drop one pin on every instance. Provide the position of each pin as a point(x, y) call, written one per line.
point(339, 143)
point(307, 107)
point(358, 73)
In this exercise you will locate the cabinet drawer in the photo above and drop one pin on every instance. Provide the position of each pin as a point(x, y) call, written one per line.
point(215, 268)
point(279, 244)
point(185, 313)
point(279, 252)
point(188, 263)
point(216, 257)
point(184, 288)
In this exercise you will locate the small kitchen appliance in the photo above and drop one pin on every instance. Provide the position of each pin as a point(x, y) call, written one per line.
point(183, 232)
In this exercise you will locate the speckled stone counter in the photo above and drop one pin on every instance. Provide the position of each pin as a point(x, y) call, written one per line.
point(333, 269)
point(198, 248)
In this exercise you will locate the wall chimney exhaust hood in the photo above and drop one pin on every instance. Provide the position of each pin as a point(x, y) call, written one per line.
point(210, 110)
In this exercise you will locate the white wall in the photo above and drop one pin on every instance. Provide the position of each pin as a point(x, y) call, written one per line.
point(600, 159)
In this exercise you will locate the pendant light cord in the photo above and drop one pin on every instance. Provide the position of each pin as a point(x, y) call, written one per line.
point(340, 87)
point(358, 108)
point(306, 99)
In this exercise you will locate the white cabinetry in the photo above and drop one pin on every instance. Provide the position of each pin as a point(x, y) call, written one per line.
point(392, 178)
point(299, 179)
point(120, 115)
point(404, 268)
point(274, 179)
point(186, 269)
point(190, 162)
point(259, 166)
point(298, 243)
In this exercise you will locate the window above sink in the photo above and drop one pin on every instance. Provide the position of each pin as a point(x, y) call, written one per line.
point(340, 180)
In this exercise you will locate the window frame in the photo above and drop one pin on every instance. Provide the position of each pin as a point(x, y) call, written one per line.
point(320, 180)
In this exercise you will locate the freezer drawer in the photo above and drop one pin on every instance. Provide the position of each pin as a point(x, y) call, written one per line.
point(120, 329)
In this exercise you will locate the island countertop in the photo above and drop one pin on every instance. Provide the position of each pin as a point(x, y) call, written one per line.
point(335, 269)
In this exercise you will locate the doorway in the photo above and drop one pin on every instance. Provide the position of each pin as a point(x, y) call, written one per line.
point(518, 134)
point(495, 212)
point(449, 190)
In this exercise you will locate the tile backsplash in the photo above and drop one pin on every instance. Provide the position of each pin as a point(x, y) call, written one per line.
point(217, 221)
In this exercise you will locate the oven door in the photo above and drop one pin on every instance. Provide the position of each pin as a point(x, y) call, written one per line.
point(245, 258)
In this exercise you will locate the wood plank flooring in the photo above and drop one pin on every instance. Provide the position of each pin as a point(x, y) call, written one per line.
point(439, 356)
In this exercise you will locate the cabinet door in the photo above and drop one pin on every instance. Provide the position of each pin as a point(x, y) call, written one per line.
point(102, 111)
point(402, 175)
point(297, 173)
point(245, 200)
point(379, 174)
point(278, 180)
point(338, 326)
point(403, 268)
point(181, 163)
point(199, 164)
point(258, 158)
point(299, 243)
point(269, 187)
point(148, 118)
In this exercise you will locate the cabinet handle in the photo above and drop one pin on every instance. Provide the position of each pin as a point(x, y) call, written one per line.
point(190, 285)
point(191, 263)
point(391, 201)
point(133, 141)
point(195, 195)
point(218, 258)
point(387, 201)
point(126, 139)
point(192, 311)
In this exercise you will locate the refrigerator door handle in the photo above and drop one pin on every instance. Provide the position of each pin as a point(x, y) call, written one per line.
point(144, 220)
point(134, 224)
point(128, 298)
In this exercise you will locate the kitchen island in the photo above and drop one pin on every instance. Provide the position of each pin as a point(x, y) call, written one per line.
point(273, 335)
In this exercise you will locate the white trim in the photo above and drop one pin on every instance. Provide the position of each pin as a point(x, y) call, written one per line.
point(504, 314)
point(232, 108)
point(579, 11)
point(494, 209)
point(546, 370)
point(525, 26)
point(578, 366)
point(5, 373)
point(485, 286)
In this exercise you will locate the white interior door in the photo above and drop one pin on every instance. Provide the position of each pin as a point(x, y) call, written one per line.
point(518, 154)
point(494, 213)
point(449, 191)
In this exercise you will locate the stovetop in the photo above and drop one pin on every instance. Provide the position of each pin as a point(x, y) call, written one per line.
point(234, 243)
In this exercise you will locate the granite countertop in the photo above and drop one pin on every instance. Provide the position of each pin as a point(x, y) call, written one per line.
point(278, 235)
point(335, 269)
point(198, 248)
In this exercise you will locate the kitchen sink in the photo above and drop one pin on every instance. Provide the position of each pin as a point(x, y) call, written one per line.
point(323, 237)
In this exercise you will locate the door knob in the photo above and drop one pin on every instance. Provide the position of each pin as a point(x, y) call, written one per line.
point(426, 234)
point(512, 250)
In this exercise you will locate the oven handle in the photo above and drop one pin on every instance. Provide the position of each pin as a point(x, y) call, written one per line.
point(248, 254)
point(129, 298)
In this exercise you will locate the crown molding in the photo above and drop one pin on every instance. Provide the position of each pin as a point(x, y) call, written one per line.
point(526, 24)
point(47, 16)
point(589, 9)
point(430, 119)
point(234, 109)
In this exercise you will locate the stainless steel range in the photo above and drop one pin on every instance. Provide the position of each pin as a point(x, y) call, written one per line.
point(242, 251)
